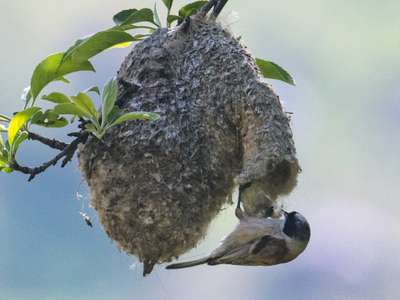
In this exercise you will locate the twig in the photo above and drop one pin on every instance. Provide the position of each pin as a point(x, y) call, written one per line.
point(67, 153)
point(74, 134)
point(218, 7)
point(206, 8)
point(52, 143)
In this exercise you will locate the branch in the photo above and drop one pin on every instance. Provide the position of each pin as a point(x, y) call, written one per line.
point(218, 6)
point(52, 143)
point(206, 8)
point(67, 153)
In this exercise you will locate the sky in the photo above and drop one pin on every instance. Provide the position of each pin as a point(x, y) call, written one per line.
point(344, 56)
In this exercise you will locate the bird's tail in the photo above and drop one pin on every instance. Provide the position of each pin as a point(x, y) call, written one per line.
point(188, 264)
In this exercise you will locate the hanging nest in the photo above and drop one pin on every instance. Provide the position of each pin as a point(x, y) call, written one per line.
point(157, 185)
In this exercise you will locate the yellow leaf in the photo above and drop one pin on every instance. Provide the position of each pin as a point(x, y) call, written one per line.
point(122, 45)
point(18, 121)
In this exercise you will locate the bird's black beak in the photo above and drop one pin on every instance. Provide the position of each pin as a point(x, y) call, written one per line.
point(285, 213)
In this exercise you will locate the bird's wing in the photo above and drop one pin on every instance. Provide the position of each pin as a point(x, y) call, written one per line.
point(270, 248)
point(250, 235)
point(267, 250)
point(247, 232)
point(229, 256)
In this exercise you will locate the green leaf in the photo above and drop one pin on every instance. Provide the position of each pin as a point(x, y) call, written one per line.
point(136, 16)
point(70, 109)
point(3, 128)
point(156, 16)
point(49, 119)
point(191, 8)
point(18, 121)
point(85, 103)
point(110, 93)
point(20, 138)
point(4, 118)
point(173, 18)
point(6, 170)
point(140, 115)
point(130, 26)
point(123, 15)
point(272, 70)
point(94, 130)
point(140, 37)
point(168, 4)
point(93, 45)
point(137, 37)
point(51, 69)
point(114, 114)
point(63, 79)
point(3, 161)
point(57, 98)
point(93, 89)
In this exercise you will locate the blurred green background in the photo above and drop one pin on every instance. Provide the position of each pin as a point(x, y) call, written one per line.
point(345, 58)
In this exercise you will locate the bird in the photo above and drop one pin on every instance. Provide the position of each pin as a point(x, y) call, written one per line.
point(259, 241)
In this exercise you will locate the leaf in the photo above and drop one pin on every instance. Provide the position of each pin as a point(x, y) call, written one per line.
point(173, 18)
point(92, 45)
point(84, 102)
point(18, 121)
point(137, 37)
point(272, 70)
point(57, 98)
point(4, 118)
point(114, 114)
point(93, 89)
point(6, 170)
point(121, 17)
point(140, 37)
point(92, 129)
point(3, 128)
point(156, 16)
point(140, 115)
point(63, 79)
point(122, 45)
point(136, 16)
point(70, 109)
point(130, 26)
point(110, 93)
point(51, 69)
point(191, 8)
point(3, 161)
point(49, 119)
point(20, 138)
point(168, 4)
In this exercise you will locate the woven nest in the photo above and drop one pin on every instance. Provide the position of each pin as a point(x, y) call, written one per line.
point(157, 185)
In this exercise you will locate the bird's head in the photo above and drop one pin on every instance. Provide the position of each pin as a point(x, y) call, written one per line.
point(296, 226)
